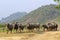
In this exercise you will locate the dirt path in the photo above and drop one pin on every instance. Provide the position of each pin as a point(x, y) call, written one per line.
point(45, 36)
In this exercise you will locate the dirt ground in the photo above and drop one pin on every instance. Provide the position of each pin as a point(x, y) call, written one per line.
point(52, 35)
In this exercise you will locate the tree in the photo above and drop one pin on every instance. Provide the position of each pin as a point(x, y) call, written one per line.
point(57, 0)
point(58, 3)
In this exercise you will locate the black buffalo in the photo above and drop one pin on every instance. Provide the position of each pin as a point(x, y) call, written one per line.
point(45, 27)
point(33, 26)
point(9, 28)
point(53, 26)
point(21, 27)
point(16, 27)
point(50, 26)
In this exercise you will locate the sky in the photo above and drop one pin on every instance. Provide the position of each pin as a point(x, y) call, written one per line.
point(8, 7)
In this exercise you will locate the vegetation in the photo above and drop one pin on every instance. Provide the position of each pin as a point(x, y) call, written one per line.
point(2, 25)
point(58, 3)
point(57, 19)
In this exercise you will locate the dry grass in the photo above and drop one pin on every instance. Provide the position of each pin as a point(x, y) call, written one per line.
point(52, 35)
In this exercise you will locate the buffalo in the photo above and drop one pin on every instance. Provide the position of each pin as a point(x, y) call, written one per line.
point(16, 27)
point(50, 26)
point(53, 26)
point(45, 27)
point(9, 28)
point(21, 27)
point(33, 26)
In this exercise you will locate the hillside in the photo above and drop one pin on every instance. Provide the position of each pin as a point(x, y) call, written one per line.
point(13, 16)
point(41, 15)
point(57, 19)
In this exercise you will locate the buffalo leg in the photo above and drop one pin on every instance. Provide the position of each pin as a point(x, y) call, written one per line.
point(16, 30)
point(11, 31)
point(7, 31)
point(56, 29)
point(43, 29)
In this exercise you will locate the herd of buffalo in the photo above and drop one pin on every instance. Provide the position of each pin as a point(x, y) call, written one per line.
point(49, 26)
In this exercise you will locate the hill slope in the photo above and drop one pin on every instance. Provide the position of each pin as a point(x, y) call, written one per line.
point(13, 16)
point(40, 15)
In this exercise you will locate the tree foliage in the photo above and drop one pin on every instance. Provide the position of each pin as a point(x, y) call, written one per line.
point(57, 0)
point(58, 3)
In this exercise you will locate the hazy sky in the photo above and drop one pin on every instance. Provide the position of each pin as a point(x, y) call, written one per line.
point(8, 7)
